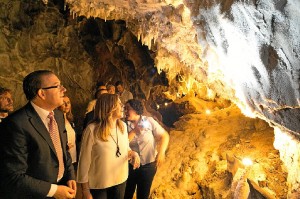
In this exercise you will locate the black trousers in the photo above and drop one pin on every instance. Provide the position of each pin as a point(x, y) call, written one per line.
point(114, 192)
point(141, 179)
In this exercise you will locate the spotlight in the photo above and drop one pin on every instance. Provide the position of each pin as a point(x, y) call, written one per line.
point(157, 106)
point(208, 111)
point(247, 162)
point(166, 103)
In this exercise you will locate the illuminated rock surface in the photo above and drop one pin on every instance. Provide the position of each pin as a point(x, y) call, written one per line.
point(247, 51)
point(244, 51)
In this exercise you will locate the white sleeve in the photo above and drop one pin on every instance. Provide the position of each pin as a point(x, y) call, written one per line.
point(157, 129)
point(85, 155)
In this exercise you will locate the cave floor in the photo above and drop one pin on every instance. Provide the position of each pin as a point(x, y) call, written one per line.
point(196, 165)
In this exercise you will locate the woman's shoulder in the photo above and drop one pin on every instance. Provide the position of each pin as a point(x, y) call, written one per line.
point(148, 118)
point(93, 101)
point(91, 126)
point(123, 123)
point(145, 117)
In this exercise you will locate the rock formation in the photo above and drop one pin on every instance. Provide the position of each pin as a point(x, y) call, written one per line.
point(240, 50)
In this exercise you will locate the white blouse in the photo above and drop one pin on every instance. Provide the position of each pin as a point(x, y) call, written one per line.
point(71, 140)
point(145, 142)
point(98, 164)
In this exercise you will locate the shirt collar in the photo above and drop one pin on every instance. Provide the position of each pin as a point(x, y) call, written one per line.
point(40, 111)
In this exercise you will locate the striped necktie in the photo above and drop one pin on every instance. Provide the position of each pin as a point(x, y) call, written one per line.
point(54, 134)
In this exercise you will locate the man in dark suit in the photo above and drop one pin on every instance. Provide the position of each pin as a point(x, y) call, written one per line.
point(32, 164)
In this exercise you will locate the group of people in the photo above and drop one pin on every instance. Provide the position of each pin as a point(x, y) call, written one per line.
point(120, 150)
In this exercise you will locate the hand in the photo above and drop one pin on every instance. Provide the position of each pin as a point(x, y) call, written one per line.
point(86, 194)
point(64, 192)
point(72, 184)
point(160, 159)
point(135, 159)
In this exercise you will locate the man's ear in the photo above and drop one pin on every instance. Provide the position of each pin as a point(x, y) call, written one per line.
point(41, 93)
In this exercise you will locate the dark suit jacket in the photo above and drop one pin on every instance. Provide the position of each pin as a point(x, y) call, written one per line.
point(28, 164)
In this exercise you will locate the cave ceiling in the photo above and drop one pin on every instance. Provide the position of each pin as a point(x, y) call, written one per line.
point(245, 51)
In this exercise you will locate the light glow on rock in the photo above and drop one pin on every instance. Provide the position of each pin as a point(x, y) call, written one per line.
point(247, 162)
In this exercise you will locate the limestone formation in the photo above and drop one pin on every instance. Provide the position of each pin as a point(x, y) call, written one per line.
point(246, 52)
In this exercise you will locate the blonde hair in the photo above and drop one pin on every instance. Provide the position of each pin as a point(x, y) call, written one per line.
point(105, 106)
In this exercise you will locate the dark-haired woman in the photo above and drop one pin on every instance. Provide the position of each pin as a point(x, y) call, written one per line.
point(144, 133)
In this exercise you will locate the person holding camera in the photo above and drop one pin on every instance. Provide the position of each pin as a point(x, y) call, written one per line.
point(150, 140)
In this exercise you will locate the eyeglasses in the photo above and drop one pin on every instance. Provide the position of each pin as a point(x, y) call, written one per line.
point(50, 87)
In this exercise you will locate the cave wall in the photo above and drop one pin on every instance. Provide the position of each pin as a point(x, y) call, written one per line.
point(257, 47)
point(34, 36)
point(118, 55)
point(80, 51)
point(246, 51)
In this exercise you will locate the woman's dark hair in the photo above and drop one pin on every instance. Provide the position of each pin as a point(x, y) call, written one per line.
point(33, 82)
point(136, 105)
point(96, 94)
point(99, 84)
point(119, 83)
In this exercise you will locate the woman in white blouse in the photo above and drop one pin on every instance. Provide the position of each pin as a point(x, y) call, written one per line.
point(66, 109)
point(150, 140)
point(103, 162)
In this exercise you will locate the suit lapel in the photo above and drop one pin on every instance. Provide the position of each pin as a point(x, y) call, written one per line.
point(39, 126)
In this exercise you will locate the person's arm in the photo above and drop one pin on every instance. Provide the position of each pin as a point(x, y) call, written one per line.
point(85, 161)
point(162, 136)
point(163, 145)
